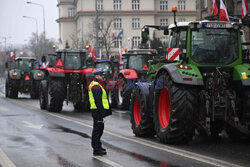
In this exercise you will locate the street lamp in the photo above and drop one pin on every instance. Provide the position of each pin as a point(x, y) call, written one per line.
point(28, 17)
point(33, 3)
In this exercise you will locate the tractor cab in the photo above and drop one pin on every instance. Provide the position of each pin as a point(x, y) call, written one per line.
point(206, 43)
point(138, 60)
point(71, 59)
point(109, 67)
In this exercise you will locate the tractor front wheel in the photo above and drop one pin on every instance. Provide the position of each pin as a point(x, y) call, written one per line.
point(174, 111)
point(140, 117)
point(123, 94)
point(13, 88)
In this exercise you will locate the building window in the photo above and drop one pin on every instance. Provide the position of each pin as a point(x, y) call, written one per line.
point(136, 41)
point(135, 4)
point(163, 5)
point(163, 22)
point(203, 4)
point(71, 12)
point(118, 41)
point(164, 41)
point(100, 41)
point(136, 23)
point(181, 19)
point(181, 5)
point(117, 23)
point(99, 4)
point(117, 4)
point(100, 23)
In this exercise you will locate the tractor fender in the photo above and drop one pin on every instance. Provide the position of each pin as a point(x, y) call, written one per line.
point(56, 72)
point(38, 75)
point(129, 74)
point(245, 82)
point(17, 74)
point(176, 77)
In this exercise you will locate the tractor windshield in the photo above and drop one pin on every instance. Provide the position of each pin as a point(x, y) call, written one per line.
point(74, 61)
point(214, 46)
point(105, 66)
point(25, 65)
point(137, 62)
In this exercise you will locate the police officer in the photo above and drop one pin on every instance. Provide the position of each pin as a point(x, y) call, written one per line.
point(100, 108)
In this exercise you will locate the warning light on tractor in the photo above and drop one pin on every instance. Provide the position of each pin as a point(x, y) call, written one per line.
point(174, 9)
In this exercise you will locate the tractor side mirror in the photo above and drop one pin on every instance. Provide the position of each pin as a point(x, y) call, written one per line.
point(166, 32)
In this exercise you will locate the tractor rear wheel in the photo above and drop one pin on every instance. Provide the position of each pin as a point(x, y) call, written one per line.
point(43, 95)
point(174, 111)
point(140, 117)
point(7, 87)
point(123, 94)
point(244, 118)
point(13, 88)
point(56, 95)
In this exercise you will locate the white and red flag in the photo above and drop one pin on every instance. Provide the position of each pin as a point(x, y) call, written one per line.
point(149, 46)
point(215, 9)
point(12, 55)
point(244, 8)
point(223, 12)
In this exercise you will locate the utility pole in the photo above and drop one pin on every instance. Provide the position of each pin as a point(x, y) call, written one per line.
point(97, 29)
point(5, 42)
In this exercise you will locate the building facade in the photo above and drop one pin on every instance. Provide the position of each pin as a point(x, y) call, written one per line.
point(77, 20)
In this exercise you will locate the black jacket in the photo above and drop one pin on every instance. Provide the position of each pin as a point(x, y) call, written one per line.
point(100, 112)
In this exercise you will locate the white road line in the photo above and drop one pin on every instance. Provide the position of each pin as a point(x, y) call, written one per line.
point(5, 161)
point(107, 161)
point(176, 151)
point(3, 108)
point(120, 112)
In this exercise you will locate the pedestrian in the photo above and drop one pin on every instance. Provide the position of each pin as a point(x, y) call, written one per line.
point(100, 108)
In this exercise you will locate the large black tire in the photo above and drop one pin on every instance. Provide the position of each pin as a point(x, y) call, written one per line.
point(43, 95)
point(123, 94)
point(78, 106)
point(34, 93)
point(174, 111)
point(244, 117)
point(7, 87)
point(13, 88)
point(112, 98)
point(140, 116)
point(56, 95)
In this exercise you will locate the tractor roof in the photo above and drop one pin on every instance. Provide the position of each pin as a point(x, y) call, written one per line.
point(25, 58)
point(25, 54)
point(203, 22)
point(71, 50)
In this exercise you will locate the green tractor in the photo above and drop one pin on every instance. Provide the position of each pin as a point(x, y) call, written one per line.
point(23, 76)
point(203, 83)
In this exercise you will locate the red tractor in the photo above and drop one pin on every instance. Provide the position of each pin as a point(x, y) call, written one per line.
point(66, 79)
point(135, 67)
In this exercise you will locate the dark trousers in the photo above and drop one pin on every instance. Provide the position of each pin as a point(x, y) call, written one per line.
point(97, 132)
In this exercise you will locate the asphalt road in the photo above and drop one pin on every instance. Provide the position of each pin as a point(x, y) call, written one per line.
point(32, 137)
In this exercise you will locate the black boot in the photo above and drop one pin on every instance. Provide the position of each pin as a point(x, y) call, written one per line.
point(103, 149)
point(99, 152)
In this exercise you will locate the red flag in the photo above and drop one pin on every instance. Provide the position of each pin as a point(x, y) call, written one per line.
point(223, 12)
point(215, 9)
point(149, 46)
point(12, 55)
point(244, 8)
point(89, 49)
point(93, 54)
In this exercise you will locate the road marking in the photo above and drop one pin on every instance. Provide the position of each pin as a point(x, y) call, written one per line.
point(5, 161)
point(176, 151)
point(107, 161)
point(120, 112)
point(30, 125)
point(3, 108)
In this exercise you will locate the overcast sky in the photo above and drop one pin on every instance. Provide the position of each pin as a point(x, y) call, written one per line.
point(13, 25)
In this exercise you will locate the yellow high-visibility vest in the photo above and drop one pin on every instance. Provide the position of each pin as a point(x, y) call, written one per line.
point(105, 102)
